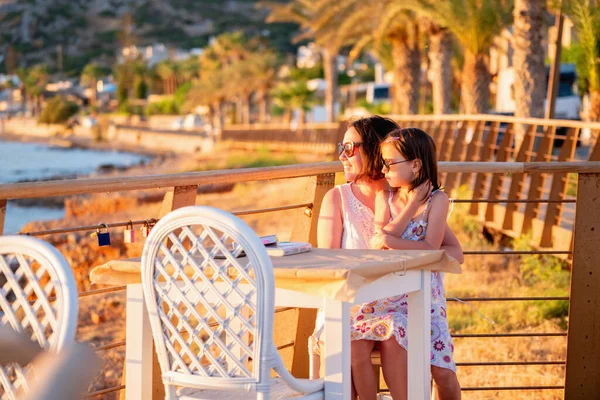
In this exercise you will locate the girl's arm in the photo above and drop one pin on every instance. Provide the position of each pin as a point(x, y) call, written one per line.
point(398, 225)
point(382, 210)
point(329, 228)
point(436, 226)
point(452, 246)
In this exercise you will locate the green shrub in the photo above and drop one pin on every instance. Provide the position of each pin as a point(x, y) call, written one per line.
point(541, 270)
point(163, 107)
point(57, 111)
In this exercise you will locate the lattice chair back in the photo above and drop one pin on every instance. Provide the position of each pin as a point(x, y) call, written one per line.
point(38, 297)
point(211, 310)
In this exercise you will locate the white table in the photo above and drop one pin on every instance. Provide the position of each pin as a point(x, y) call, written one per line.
point(336, 354)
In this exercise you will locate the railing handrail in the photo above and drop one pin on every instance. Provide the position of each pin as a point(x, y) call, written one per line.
point(497, 118)
point(65, 187)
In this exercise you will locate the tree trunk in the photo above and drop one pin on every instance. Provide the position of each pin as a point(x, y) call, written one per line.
point(263, 106)
point(595, 106)
point(440, 58)
point(218, 118)
point(301, 117)
point(528, 61)
point(23, 101)
point(475, 90)
point(239, 111)
point(331, 77)
point(94, 92)
point(246, 110)
point(407, 71)
point(173, 84)
point(287, 116)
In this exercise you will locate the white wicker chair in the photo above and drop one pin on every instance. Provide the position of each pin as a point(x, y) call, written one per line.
point(38, 298)
point(211, 312)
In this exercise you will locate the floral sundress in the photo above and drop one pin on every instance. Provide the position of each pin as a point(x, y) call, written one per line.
point(382, 319)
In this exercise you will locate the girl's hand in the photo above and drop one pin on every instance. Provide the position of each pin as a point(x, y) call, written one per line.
point(378, 241)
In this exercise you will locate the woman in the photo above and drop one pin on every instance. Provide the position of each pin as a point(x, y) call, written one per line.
point(346, 220)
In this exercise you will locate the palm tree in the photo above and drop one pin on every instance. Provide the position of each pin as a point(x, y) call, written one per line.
point(89, 77)
point(440, 65)
point(475, 23)
point(263, 66)
point(22, 74)
point(306, 13)
point(36, 81)
point(166, 71)
point(388, 21)
point(293, 95)
point(586, 16)
point(528, 60)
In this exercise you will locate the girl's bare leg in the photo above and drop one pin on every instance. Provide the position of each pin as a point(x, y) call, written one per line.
point(363, 378)
point(394, 365)
point(446, 384)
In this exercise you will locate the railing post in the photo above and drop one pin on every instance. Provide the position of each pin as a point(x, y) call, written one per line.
point(177, 197)
point(583, 347)
point(487, 153)
point(457, 154)
point(538, 180)
point(2, 215)
point(497, 185)
point(305, 229)
point(558, 190)
point(518, 180)
point(473, 152)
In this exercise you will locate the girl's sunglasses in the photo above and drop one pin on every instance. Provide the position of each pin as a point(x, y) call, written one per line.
point(388, 163)
point(348, 148)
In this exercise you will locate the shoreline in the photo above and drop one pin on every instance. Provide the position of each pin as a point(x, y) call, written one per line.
point(77, 142)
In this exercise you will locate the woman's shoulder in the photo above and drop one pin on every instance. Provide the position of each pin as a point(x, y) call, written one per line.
point(334, 195)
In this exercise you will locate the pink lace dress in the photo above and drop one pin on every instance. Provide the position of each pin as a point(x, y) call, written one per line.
point(382, 319)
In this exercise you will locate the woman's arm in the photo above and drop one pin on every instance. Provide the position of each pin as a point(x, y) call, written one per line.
point(452, 246)
point(329, 228)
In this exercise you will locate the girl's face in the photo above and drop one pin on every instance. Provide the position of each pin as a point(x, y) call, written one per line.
point(351, 157)
point(398, 171)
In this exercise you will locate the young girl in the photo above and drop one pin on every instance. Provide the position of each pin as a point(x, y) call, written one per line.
point(412, 215)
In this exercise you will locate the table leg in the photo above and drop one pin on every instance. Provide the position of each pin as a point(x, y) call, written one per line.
point(337, 350)
point(419, 340)
point(138, 351)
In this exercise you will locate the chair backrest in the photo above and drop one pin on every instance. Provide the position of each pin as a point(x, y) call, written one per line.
point(38, 298)
point(210, 309)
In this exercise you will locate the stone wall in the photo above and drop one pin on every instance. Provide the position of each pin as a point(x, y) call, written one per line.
point(161, 140)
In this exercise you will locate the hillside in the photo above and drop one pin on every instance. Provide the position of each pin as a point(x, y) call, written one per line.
point(32, 30)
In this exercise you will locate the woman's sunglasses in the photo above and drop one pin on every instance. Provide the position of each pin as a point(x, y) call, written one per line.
point(348, 148)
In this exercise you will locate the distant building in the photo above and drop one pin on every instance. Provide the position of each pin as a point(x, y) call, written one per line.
point(156, 53)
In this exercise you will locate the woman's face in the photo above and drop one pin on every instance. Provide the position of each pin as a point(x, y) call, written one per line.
point(353, 163)
point(400, 173)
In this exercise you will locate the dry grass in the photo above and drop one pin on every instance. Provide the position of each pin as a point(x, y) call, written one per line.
point(506, 276)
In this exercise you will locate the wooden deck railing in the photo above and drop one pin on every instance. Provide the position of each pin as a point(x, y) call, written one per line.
point(478, 138)
point(583, 358)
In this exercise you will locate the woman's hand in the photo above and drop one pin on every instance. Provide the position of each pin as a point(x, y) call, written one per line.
point(378, 241)
point(418, 194)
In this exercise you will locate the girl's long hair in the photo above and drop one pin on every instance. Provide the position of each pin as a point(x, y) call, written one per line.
point(413, 144)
